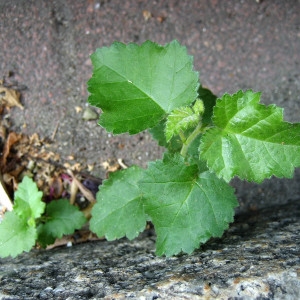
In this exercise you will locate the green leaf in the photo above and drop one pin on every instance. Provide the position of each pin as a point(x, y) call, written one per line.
point(135, 86)
point(186, 206)
point(250, 140)
point(45, 237)
point(179, 120)
point(175, 144)
point(16, 235)
point(158, 133)
point(198, 107)
point(28, 200)
point(63, 218)
point(119, 210)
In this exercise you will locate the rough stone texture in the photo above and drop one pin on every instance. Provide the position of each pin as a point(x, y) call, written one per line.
point(236, 45)
point(257, 258)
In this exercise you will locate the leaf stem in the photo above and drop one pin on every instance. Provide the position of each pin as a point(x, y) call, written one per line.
point(182, 136)
point(190, 139)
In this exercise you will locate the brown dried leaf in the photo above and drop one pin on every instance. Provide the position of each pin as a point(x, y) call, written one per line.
point(73, 192)
point(81, 236)
point(86, 193)
point(2, 133)
point(56, 187)
point(11, 139)
point(17, 171)
point(10, 97)
point(10, 180)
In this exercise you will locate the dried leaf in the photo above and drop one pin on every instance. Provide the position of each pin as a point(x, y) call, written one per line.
point(2, 134)
point(73, 191)
point(86, 193)
point(10, 180)
point(111, 166)
point(10, 97)
point(11, 139)
point(81, 236)
point(56, 187)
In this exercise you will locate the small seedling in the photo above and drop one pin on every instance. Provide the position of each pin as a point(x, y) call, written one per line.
point(31, 220)
point(208, 141)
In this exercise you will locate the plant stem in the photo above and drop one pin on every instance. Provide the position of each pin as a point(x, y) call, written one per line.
point(190, 139)
point(182, 136)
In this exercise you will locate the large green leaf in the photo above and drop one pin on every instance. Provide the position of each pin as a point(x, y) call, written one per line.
point(16, 235)
point(185, 206)
point(250, 140)
point(119, 210)
point(135, 86)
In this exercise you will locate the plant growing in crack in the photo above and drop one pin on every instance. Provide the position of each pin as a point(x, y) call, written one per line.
point(208, 141)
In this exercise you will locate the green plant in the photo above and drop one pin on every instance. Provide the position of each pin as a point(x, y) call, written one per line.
point(208, 141)
point(186, 194)
point(31, 220)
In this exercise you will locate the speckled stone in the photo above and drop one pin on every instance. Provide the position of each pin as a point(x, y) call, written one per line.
point(257, 258)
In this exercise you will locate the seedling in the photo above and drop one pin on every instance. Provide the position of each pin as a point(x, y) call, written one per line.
point(31, 221)
point(208, 141)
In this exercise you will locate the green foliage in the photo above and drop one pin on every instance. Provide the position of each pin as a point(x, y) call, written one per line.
point(250, 140)
point(185, 195)
point(119, 210)
point(180, 119)
point(208, 141)
point(131, 84)
point(186, 205)
point(62, 218)
point(16, 235)
point(28, 200)
point(28, 222)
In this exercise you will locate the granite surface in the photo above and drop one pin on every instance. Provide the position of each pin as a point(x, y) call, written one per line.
point(257, 258)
